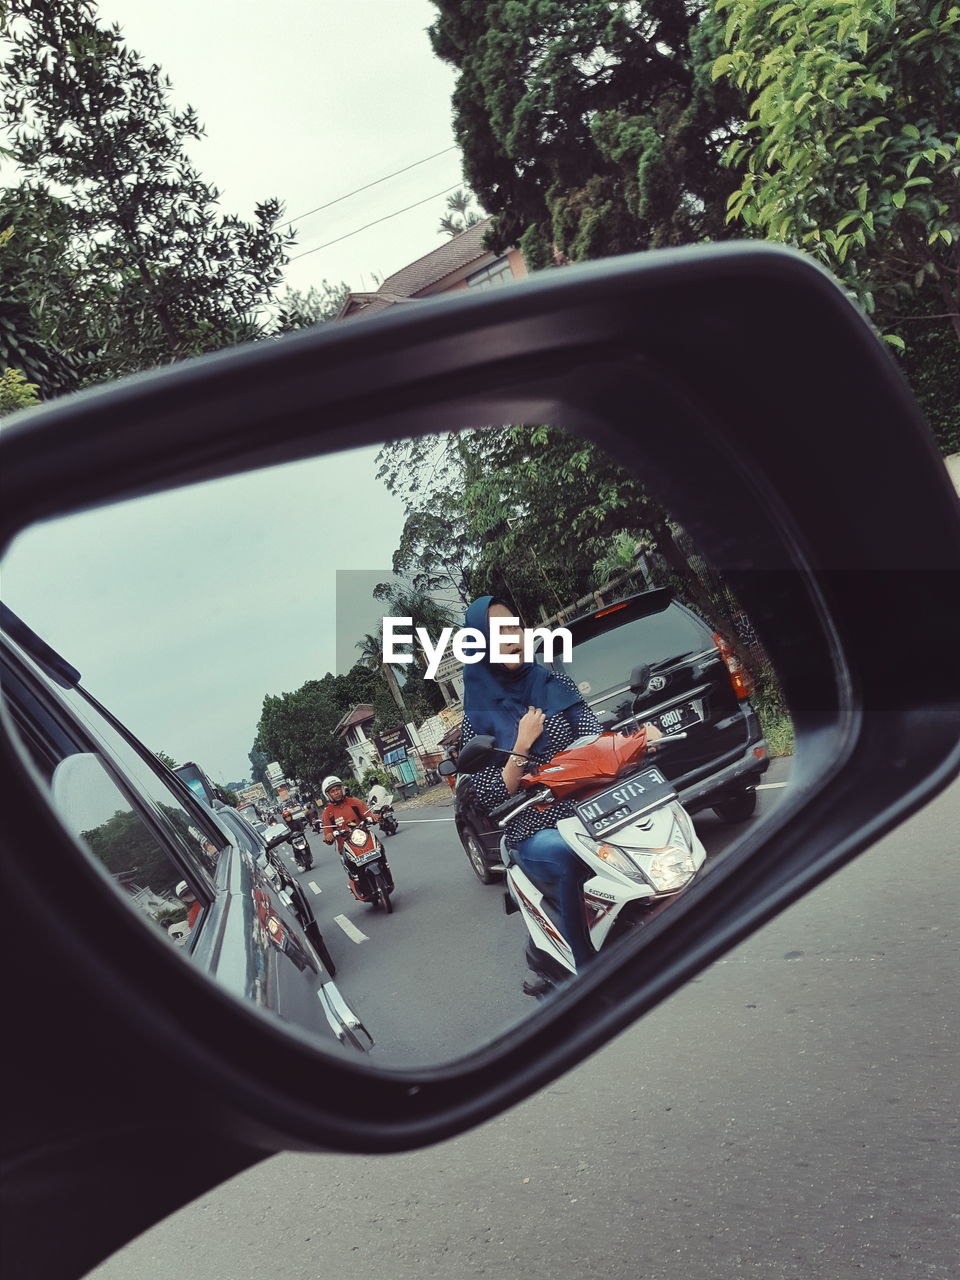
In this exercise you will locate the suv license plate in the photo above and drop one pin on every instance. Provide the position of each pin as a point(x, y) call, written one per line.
point(620, 804)
point(678, 718)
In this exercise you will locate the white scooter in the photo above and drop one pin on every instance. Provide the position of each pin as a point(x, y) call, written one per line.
point(636, 842)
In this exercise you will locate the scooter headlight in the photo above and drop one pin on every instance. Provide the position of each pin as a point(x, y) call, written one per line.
point(670, 868)
point(358, 837)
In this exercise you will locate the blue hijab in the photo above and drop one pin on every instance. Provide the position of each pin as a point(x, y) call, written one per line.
point(495, 696)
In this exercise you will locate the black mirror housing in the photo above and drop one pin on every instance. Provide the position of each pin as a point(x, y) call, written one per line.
point(804, 536)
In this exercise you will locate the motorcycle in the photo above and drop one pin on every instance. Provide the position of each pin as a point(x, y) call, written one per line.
point(301, 850)
point(365, 862)
point(637, 844)
point(382, 802)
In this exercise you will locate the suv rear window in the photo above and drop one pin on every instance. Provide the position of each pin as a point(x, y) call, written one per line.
point(606, 660)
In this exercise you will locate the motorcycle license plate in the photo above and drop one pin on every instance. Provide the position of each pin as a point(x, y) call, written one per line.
point(678, 718)
point(624, 802)
point(362, 859)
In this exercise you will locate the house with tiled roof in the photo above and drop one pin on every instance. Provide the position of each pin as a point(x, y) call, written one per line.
point(459, 263)
point(352, 729)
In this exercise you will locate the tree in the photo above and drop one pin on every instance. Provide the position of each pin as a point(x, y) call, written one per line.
point(540, 506)
point(371, 656)
point(127, 849)
point(16, 392)
point(158, 274)
point(590, 127)
point(459, 215)
point(35, 282)
point(258, 767)
point(620, 557)
point(302, 309)
point(296, 730)
point(165, 759)
point(435, 552)
point(421, 697)
point(853, 150)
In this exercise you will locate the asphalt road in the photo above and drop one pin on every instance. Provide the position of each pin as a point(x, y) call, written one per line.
point(442, 974)
point(789, 1115)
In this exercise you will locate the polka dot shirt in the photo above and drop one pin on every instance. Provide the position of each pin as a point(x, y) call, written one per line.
point(562, 729)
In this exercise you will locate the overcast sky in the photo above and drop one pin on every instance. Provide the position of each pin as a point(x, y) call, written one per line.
point(183, 610)
point(308, 100)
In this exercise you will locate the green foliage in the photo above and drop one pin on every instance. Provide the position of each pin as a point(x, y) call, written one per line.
point(375, 778)
point(590, 127)
point(302, 309)
point(619, 557)
point(434, 551)
point(172, 915)
point(168, 760)
point(127, 848)
point(775, 721)
point(296, 730)
point(16, 392)
point(258, 768)
point(386, 714)
point(535, 509)
point(931, 362)
point(123, 261)
point(852, 150)
point(35, 282)
point(459, 215)
point(371, 656)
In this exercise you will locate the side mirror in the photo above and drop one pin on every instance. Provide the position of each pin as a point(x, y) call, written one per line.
point(639, 678)
point(676, 362)
point(476, 755)
point(447, 768)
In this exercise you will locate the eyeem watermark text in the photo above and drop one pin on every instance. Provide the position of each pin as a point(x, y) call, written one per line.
point(470, 645)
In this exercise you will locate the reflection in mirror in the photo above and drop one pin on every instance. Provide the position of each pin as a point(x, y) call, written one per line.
point(310, 646)
point(93, 809)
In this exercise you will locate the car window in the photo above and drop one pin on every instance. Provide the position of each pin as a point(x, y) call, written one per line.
point(95, 810)
point(605, 661)
point(184, 820)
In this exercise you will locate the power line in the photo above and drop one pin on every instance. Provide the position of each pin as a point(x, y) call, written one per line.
point(375, 183)
point(386, 218)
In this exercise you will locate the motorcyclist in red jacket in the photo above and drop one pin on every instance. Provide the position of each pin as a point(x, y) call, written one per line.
point(340, 812)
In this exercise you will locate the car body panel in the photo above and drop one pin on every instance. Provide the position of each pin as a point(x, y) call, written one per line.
point(250, 938)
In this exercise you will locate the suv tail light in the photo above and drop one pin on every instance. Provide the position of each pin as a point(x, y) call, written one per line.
point(742, 684)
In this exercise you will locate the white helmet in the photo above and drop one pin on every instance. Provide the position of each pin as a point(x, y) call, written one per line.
point(329, 782)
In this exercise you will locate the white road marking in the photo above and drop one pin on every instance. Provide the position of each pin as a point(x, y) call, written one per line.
point(350, 929)
point(314, 886)
point(410, 821)
point(771, 786)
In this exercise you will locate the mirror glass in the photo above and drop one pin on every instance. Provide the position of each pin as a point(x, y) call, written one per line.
point(244, 641)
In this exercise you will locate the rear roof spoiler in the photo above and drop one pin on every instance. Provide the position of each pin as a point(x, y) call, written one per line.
point(641, 605)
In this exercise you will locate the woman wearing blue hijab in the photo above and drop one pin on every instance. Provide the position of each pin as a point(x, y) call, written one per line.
point(527, 709)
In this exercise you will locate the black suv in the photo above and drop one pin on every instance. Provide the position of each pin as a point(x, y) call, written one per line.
point(693, 686)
